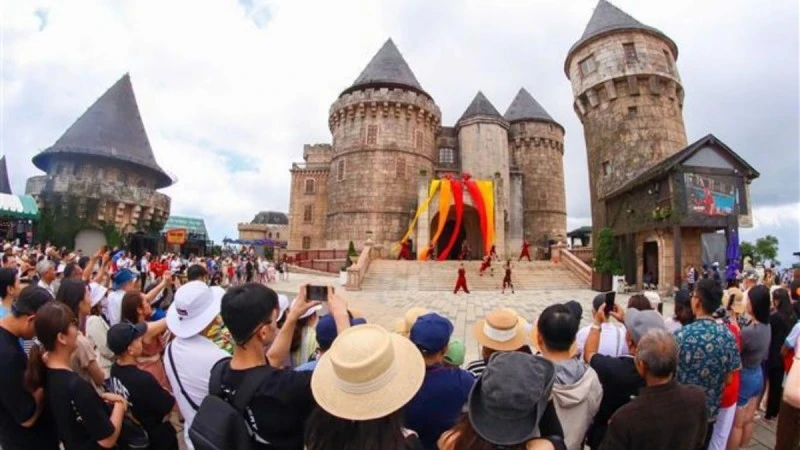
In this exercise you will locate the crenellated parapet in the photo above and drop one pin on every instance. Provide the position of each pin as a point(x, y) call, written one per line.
point(384, 103)
point(656, 85)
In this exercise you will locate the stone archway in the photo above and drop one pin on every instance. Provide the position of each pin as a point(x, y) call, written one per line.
point(470, 232)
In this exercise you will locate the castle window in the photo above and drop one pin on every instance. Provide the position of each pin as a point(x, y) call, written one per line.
point(588, 65)
point(269, 235)
point(400, 167)
point(340, 168)
point(306, 242)
point(668, 58)
point(277, 235)
point(632, 111)
point(419, 141)
point(606, 168)
point(630, 52)
point(100, 173)
point(141, 184)
point(447, 156)
point(309, 188)
point(308, 213)
point(372, 134)
point(76, 170)
point(122, 177)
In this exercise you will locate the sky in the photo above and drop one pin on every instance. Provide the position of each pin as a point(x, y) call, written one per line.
point(230, 90)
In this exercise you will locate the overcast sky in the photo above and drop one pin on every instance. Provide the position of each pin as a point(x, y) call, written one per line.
point(230, 91)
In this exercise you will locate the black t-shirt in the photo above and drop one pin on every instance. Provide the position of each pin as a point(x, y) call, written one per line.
point(17, 404)
point(620, 383)
point(780, 330)
point(149, 403)
point(280, 406)
point(81, 416)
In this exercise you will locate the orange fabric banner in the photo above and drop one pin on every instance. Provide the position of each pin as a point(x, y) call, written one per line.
point(487, 192)
point(445, 198)
point(424, 207)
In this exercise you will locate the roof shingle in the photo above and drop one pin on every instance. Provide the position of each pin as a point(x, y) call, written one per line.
point(525, 107)
point(480, 106)
point(387, 67)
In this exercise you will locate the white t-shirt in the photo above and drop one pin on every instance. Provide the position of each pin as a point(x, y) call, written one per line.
point(194, 358)
point(114, 306)
point(612, 340)
point(175, 266)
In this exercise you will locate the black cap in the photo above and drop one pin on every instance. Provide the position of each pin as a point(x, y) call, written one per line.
point(121, 335)
point(30, 300)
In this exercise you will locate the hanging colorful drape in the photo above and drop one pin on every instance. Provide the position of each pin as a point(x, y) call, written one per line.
point(458, 197)
point(487, 192)
point(445, 198)
point(424, 207)
point(477, 199)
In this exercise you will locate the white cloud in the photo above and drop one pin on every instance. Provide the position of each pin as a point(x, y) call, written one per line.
point(229, 91)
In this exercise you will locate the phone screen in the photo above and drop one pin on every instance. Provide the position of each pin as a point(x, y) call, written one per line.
point(610, 297)
point(317, 293)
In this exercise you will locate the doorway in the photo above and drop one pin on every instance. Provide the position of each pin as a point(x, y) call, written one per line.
point(650, 264)
point(470, 233)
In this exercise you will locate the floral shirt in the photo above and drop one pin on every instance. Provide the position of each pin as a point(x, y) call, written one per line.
point(708, 352)
point(218, 333)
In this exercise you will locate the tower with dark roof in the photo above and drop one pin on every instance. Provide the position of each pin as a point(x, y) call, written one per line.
point(629, 97)
point(384, 130)
point(536, 143)
point(5, 185)
point(102, 171)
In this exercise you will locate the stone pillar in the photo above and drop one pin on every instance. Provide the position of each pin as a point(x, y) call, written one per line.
point(423, 233)
point(516, 216)
point(500, 216)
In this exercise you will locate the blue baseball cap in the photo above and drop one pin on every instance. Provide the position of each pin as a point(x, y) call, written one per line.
point(431, 333)
point(122, 277)
point(326, 330)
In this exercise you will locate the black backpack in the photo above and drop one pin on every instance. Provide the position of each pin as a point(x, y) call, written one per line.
point(221, 424)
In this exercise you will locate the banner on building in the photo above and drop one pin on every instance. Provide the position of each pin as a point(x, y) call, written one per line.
point(176, 236)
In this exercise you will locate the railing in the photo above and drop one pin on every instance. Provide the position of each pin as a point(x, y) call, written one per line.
point(306, 255)
point(356, 272)
point(585, 254)
point(575, 265)
point(330, 266)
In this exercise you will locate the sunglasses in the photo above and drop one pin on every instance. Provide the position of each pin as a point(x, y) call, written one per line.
point(253, 333)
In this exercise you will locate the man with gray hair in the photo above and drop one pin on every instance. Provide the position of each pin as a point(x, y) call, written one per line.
point(666, 415)
point(46, 270)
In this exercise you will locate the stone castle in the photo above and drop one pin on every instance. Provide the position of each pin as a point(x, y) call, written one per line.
point(389, 143)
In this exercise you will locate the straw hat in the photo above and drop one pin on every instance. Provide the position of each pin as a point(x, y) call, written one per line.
point(368, 373)
point(403, 326)
point(501, 330)
point(738, 300)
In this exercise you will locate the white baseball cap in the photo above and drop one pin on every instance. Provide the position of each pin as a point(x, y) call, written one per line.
point(194, 307)
point(283, 305)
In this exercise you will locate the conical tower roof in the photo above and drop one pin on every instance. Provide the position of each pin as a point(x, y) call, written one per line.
point(5, 185)
point(480, 106)
point(608, 18)
point(387, 68)
point(525, 107)
point(111, 128)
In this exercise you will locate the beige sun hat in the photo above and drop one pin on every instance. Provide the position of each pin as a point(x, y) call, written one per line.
point(368, 373)
point(501, 330)
point(738, 300)
point(403, 326)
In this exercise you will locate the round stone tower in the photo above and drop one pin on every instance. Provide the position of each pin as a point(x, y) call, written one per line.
point(629, 97)
point(384, 134)
point(536, 143)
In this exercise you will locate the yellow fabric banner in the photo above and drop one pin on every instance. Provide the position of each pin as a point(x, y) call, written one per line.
point(424, 207)
point(487, 192)
point(445, 199)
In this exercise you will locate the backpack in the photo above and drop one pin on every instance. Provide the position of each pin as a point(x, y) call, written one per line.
point(221, 424)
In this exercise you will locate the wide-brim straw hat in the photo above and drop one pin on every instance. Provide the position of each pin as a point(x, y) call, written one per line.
point(502, 330)
point(368, 373)
point(403, 326)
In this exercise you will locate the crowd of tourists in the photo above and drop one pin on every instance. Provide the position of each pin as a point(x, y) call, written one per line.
point(89, 359)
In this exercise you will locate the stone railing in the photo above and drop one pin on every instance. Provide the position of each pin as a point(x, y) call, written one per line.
point(356, 272)
point(573, 263)
point(585, 254)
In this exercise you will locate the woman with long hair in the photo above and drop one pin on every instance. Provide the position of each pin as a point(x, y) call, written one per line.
point(81, 415)
point(781, 322)
point(304, 339)
point(136, 309)
point(755, 347)
point(77, 296)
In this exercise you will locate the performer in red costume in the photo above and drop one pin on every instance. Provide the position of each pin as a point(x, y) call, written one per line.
point(461, 282)
point(405, 250)
point(507, 278)
point(431, 256)
point(526, 250)
point(465, 251)
point(493, 253)
point(486, 264)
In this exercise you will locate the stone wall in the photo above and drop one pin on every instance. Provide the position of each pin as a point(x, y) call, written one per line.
point(382, 139)
point(257, 231)
point(631, 109)
point(317, 153)
point(300, 198)
point(537, 149)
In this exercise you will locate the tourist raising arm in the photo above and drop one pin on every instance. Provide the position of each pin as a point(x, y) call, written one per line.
point(87, 271)
point(278, 352)
point(153, 294)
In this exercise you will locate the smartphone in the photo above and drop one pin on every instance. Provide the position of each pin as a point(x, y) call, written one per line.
point(317, 293)
point(610, 297)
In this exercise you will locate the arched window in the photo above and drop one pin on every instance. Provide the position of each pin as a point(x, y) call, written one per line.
point(269, 235)
point(277, 235)
point(309, 188)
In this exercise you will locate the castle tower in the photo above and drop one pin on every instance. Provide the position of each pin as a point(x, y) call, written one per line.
point(102, 173)
point(629, 97)
point(384, 135)
point(483, 143)
point(537, 150)
point(5, 185)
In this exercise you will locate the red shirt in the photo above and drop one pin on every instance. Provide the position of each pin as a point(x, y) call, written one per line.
point(462, 274)
point(731, 392)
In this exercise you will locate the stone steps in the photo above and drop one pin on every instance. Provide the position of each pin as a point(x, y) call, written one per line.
point(441, 276)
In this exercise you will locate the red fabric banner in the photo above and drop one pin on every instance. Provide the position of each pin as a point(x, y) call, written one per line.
point(477, 198)
point(458, 198)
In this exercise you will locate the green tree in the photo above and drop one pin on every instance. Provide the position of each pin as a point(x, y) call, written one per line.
point(351, 250)
point(606, 259)
point(765, 249)
point(748, 249)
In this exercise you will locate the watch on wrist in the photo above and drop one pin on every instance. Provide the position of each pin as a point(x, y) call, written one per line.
point(595, 326)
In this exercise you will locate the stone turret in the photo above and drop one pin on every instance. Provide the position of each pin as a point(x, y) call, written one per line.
point(537, 151)
point(5, 185)
point(483, 146)
point(384, 130)
point(102, 170)
point(629, 97)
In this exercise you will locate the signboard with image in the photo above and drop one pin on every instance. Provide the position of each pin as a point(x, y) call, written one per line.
point(711, 195)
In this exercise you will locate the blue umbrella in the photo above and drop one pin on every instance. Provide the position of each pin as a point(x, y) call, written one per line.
point(733, 256)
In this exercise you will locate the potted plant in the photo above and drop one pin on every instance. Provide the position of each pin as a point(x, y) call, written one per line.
point(351, 252)
point(606, 262)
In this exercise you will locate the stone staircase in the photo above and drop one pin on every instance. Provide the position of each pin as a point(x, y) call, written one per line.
point(387, 275)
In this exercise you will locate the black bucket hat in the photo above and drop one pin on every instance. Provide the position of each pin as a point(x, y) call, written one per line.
point(508, 400)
